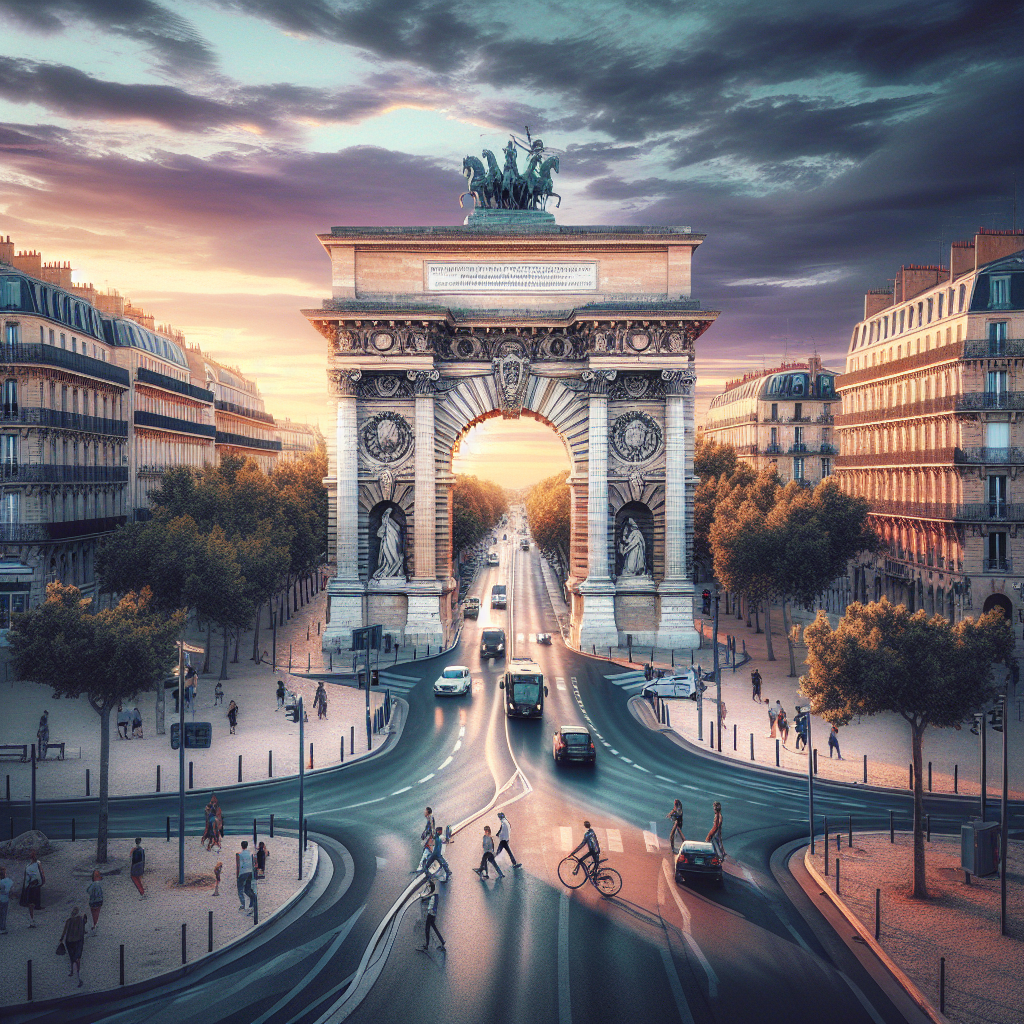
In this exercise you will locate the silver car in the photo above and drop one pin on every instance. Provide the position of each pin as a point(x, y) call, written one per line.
point(454, 681)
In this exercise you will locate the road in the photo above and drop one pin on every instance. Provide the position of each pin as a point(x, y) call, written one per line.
point(523, 948)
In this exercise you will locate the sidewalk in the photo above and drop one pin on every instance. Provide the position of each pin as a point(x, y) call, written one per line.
point(959, 922)
point(149, 929)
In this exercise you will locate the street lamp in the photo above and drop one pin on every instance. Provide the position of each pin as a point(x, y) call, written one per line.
point(801, 709)
point(182, 648)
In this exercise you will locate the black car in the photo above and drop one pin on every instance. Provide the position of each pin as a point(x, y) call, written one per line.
point(492, 643)
point(573, 743)
point(698, 860)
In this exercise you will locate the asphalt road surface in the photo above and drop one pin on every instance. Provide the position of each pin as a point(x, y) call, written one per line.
point(521, 948)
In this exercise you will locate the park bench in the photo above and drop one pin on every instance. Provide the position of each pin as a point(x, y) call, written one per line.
point(59, 747)
point(11, 751)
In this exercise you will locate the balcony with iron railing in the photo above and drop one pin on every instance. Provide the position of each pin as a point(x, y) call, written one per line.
point(987, 348)
point(29, 533)
point(33, 353)
point(240, 410)
point(989, 456)
point(38, 416)
point(56, 473)
point(894, 367)
point(159, 422)
point(168, 383)
point(241, 441)
point(900, 411)
point(799, 419)
point(996, 565)
point(977, 401)
point(923, 457)
point(798, 448)
point(773, 449)
point(828, 449)
point(972, 512)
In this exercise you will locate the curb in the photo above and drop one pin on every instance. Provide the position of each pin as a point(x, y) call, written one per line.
point(329, 676)
point(923, 1003)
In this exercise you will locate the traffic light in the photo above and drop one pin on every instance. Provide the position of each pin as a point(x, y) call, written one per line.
point(706, 597)
point(978, 720)
point(374, 677)
point(995, 718)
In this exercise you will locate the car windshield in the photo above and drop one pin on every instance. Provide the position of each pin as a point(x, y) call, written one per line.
point(575, 739)
point(455, 673)
point(526, 693)
point(493, 636)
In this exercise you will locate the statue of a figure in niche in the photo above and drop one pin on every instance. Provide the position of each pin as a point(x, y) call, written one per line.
point(390, 555)
point(633, 550)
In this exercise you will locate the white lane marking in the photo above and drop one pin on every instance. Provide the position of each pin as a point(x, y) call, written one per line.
point(753, 881)
point(364, 803)
point(426, 778)
point(560, 683)
point(564, 1003)
point(533, 638)
point(663, 779)
point(404, 789)
point(388, 676)
point(641, 768)
point(690, 940)
point(458, 744)
point(651, 840)
point(462, 731)
point(624, 758)
point(565, 838)
point(872, 1012)
point(631, 674)
point(614, 751)
point(677, 990)
point(634, 686)
point(444, 764)
point(614, 840)
point(606, 743)
point(520, 637)
point(799, 938)
point(598, 735)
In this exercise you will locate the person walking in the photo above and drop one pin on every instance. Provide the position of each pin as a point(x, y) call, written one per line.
point(429, 902)
point(772, 715)
point(138, 868)
point(426, 839)
point(262, 853)
point(783, 724)
point(137, 724)
point(488, 845)
point(43, 735)
point(504, 833)
point(715, 835)
point(755, 686)
point(210, 830)
point(32, 887)
point(6, 885)
point(73, 940)
point(280, 695)
point(244, 868)
point(320, 700)
point(676, 814)
point(95, 893)
point(232, 717)
point(437, 854)
point(833, 742)
point(217, 869)
point(124, 719)
point(218, 694)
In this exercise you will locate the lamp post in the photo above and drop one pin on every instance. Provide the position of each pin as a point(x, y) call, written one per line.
point(182, 648)
point(810, 772)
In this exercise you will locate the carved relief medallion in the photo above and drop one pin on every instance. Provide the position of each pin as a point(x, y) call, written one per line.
point(635, 437)
point(511, 368)
point(387, 438)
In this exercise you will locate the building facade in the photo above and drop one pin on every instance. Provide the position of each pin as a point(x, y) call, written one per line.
point(297, 439)
point(780, 418)
point(931, 431)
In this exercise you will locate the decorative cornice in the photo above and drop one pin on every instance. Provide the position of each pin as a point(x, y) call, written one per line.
point(679, 382)
point(423, 382)
point(343, 382)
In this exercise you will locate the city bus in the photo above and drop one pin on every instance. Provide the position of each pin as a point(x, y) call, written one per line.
point(524, 689)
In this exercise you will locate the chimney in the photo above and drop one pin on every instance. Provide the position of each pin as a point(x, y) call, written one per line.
point(56, 273)
point(917, 279)
point(30, 263)
point(6, 250)
point(875, 301)
point(110, 303)
point(994, 245)
point(961, 259)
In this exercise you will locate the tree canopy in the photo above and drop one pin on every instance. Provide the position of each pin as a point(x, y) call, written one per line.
point(477, 505)
point(548, 511)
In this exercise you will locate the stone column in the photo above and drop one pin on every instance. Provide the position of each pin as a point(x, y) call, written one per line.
point(675, 625)
point(345, 590)
point(597, 623)
point(424, 591)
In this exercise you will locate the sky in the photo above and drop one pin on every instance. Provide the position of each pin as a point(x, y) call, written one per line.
point(187, 152)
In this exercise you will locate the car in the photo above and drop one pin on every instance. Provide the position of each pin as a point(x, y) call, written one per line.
point(698, 860)
point(471, 609)
point(453, 682)
point(492, 558)
point(573, 743)
point(492, 643)
point(685, 685)
point(544, 638)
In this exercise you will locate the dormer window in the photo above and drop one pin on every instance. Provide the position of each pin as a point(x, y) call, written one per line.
point(999, 292)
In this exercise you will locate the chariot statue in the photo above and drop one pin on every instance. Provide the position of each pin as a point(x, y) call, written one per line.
point(505, 187)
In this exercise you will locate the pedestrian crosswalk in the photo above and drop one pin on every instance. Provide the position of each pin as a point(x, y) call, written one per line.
point(629, 681)
point(611, 839)
point(398, 683)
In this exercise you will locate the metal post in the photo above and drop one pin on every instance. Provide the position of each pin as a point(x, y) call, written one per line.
point(984, 770)
point(168, 828)
point(811, 768)
point(734, 735)
point(929, 776)
point(86, 784)
point(181, 763)
point(352, 740)
point(892, 829)
point(122, 964)
point(956, 781)
point(878, 912)
point(751, 746)
point(311, 757)
point(29, 980)
point(342, 758)
point(254, 835)
point(271, 826)
point(942, 984)
point(184, 950)
point(239, 767)
point(270, 764)
point(928, 827)
point(1003, 824)
point(815, 751)
point(190, 767)
point(850, 844)
point(32, 809)
point(837, 874)
point(865, 769)
point(157, 778)
point(825, 836)
point(302, 778)
point(777, 748)
point(366, 658)
point(910, 784)
point(209, 932)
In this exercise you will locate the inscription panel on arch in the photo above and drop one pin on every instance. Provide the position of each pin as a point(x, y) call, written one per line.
point(511, 277)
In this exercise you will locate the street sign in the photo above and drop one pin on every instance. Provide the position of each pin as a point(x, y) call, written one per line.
point(367, 638)
point(197, 735)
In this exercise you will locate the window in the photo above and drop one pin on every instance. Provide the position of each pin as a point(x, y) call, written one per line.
point(775, 411)
point(930, 308)
point(798, 411)
point(997, 496)
point(10, 397)
point(995, 382)
point(10, 296)
point(999, 292)
point(940, 306)
point(798, 469)
point(910, 318)
point(775, 437)
point(11, 604)
point(996, 561)
point(9, 449)
point(10, 508)
point(798, 437)
point(12, 335)
point(963, 294)
point(903, 314)
point(826, 468)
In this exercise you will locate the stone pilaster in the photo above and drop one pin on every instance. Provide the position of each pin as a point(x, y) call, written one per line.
point(675, 625)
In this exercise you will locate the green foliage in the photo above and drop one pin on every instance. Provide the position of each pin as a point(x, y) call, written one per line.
point(720, 473)
point(548, 511)
point(712, 460)
point(477, 505)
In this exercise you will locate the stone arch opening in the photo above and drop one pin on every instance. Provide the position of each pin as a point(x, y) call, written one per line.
point(1000, 602)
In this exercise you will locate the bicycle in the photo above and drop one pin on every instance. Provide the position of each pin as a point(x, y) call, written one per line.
point(572, 874)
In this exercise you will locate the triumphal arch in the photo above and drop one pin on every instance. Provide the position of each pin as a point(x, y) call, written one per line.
point(591, 330)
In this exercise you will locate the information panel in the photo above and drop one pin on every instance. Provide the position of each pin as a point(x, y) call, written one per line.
point(511, 277)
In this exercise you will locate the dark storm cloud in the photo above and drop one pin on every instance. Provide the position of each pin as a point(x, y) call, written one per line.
point(173, 39)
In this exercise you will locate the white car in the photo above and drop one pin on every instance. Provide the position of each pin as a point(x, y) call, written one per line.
point(453, 681)
point(492, 559)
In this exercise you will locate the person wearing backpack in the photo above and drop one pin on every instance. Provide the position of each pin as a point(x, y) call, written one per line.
point(772, 715)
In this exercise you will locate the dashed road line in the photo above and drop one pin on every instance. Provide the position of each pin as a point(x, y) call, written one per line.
point(404, 789)
point(447, 761)
point(426, 778)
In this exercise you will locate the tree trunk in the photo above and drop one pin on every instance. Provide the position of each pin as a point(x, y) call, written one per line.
point(224, 656)
point(101, 824)
point(256, 634)
point(209, 644)
point(787, 627)
point(757, 617)
point(238, 640)
point(920, 878)
point(768, 628)
point(748, 613)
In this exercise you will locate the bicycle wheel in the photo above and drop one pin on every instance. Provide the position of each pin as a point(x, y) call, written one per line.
point(608, 882)
point(571, 874)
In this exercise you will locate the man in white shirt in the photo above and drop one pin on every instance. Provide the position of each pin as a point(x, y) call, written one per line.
point(244, 868)
point(504, 831)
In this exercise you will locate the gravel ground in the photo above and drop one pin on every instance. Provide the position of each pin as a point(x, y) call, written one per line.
point(959, 922)
point(150, 928)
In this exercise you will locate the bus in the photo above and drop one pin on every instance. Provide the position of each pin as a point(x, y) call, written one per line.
point(524, 689)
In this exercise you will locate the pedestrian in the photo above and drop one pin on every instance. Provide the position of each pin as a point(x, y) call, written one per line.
point(504, 833)
point(772, 714)
point(124, 719)
point(32, 887)
point(6, 885)
point(262, 853)
point(43, 735)
point(429, 903)
point(676, 814)
point(217, 828)
point(217, 869)
point(800, 724)
point(95, 893)
point(243, 874)
point(437, 854)
point(715, 835)
point(488, 845)
point(72, 938)
point(755, 686)
point(210, 814)
point(648, 674)
point(138, 867)
point(218, 694)
point(833, 741)
point(232, 717)
point(426, 839)
point(191, 688)
point(783, 724)
point(320, 700)
point(136, 724)
point(280, 695)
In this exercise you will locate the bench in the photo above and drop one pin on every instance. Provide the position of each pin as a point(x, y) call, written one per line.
point(59, 747)
point(12, 751)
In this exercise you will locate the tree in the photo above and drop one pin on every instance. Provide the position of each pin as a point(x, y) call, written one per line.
point(711, 459)
point(548, 511)
point(711, 491)
point(881, 658)
point(108, 657)
point(477, 505)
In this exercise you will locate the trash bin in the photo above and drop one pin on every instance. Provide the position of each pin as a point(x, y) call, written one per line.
point(979, 848)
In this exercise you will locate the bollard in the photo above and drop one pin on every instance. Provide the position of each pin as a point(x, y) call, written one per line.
point(305, 834)
point(865, 769)
point(311, 757)
point(122, 964)
point(910, 784)
point(239, 767)
point(892, 829)
point(837, 874)
point(734, 747)
point(342, 758)
point(190, 775)
point(307, 632)
point(270, 764)
point(29, 980)
point(72, 830)
point(157, 779)
point(254, 833)
point(878, 912)
point(209, 932)
point(330, 658)
point(751, 746)
point(289, 657)
point(309, 661)
point(271, 826)
point(815, 760)
point(352, 739)
point(850, 844)
point(184, 956)
point(956, 771)
point(168, 828)
point(825, 830)
point(928, 827)
point(317, 627)
point(942, 984)
point(256, 910)
point(668, 717)
point(929, 776)
point(777, 762)
point(711, 738)
point(86, 785)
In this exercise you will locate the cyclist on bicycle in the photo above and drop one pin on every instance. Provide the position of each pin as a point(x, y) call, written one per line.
point(592, 845)
point(676, 814)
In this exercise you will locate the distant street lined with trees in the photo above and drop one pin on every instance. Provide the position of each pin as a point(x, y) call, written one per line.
point(548, 509)
point(477, 505)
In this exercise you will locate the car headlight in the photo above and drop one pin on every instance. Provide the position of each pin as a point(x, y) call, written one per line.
point(501, 647)
point(538, 707)
point(511, 705)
